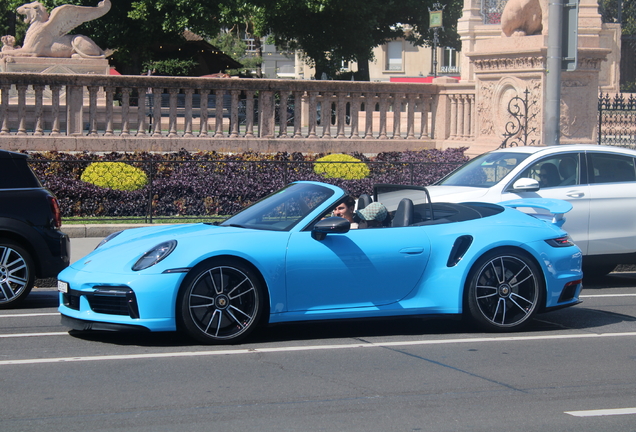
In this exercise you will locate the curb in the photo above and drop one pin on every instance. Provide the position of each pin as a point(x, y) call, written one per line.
point(95, 230)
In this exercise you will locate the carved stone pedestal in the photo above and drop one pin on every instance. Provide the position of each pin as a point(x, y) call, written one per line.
point(50, 65)
point(507, 67)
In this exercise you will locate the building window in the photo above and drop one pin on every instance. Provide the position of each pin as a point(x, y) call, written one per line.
point(449, 61)
point(251, 45)
point(394, 56)
point(285, 69)
point(491, 10)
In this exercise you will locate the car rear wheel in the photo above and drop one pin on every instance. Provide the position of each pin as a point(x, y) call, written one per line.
point(505, 290)
point(16, 273)
point(222, 302)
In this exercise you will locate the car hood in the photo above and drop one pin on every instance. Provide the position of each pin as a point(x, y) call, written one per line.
point(126, 248)
point(456, 194)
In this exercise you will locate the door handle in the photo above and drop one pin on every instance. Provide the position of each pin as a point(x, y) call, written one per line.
point(412, 250)
point(575, 194)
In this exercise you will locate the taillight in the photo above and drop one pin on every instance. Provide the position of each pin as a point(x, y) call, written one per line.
point(560, 242)
point(57, 213)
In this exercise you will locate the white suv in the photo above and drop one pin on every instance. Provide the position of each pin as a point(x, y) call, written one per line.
point(599, 181)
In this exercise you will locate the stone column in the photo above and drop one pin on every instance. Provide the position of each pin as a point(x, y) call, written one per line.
point(471, 29)
point(74, 110)
point(506, 67)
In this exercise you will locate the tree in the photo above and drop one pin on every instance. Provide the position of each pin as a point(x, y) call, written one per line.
point(334, 31)
point(328, 31)
point(10, 24)
point(132, 28)
point(242, 20)
point(233, 45)
point(609, 10)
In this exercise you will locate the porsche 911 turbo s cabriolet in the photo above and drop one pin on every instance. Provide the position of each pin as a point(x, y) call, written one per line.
point(286, 259)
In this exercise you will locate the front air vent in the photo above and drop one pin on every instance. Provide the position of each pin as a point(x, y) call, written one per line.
point(113, 301)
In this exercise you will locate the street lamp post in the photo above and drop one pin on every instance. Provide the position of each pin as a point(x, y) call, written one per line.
point(435, 23)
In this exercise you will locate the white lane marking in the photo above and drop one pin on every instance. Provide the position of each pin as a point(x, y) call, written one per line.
point(29, 315)
point(602, 412)
point(310, 348)
point(607, 295)
point(19, 335)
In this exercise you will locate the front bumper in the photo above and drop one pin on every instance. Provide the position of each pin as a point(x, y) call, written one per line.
point(123, 302)
point(81, 325)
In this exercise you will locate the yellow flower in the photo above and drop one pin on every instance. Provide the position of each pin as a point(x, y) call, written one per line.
point(341, 166)
point(115, 175)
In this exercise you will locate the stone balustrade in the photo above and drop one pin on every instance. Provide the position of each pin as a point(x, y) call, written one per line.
point(133, 113)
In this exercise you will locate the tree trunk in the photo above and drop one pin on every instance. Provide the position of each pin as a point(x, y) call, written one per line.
point(11, 18)
point(320, 70)
point(259, 47)
point(363, 69)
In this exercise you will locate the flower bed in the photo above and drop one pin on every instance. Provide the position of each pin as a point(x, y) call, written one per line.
point(210, 183)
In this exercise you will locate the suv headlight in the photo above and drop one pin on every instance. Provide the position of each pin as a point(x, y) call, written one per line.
point(155, 255)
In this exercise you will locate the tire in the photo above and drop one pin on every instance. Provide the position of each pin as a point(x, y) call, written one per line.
point(221, 301)
point(17, 273)
point(505, 290)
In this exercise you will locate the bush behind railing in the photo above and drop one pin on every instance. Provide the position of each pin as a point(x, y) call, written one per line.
point(205, 184)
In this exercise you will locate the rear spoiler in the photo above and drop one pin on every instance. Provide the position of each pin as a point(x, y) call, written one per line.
point(557, 208)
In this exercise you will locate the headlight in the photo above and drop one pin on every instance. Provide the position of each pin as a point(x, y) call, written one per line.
point(108, 238)
point(154, 255)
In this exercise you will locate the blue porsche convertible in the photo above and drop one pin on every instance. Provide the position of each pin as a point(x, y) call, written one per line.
point(286, 258)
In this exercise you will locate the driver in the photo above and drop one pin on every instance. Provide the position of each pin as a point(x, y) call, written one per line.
point(346, 210)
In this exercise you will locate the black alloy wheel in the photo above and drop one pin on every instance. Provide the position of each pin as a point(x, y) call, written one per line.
point(505, 290)
point(16, 273)
point(221, 302)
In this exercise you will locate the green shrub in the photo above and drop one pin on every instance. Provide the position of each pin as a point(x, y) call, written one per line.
point(171, 67)
point(628, 87)
point(115, 175)
point(346, 167)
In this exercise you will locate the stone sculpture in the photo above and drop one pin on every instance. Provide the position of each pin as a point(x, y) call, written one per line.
point(47, 34)
point(521, 18)
point(8, 43)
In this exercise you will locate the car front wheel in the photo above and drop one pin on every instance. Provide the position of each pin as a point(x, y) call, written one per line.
point(221, 302)
point(16, 273)
point(505, 290)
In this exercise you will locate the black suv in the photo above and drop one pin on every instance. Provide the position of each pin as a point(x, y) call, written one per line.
point(31, 243)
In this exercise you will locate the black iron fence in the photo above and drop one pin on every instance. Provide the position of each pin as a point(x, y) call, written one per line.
point(517, 130)
point(152, 191)
point(617, 120)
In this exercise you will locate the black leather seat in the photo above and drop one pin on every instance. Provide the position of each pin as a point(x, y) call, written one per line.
point(363, 201)
point(404, 214)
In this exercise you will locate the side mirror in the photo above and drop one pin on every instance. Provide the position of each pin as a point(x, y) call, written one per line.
point(526, 185)
point(331, 225)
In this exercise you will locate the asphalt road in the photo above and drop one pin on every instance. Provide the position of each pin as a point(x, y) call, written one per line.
point(572, 370)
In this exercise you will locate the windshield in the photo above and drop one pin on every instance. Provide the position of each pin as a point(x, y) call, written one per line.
point(283, 209)
point(484, 171)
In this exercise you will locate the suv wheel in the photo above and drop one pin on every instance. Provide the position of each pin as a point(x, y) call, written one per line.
point(16, 273)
